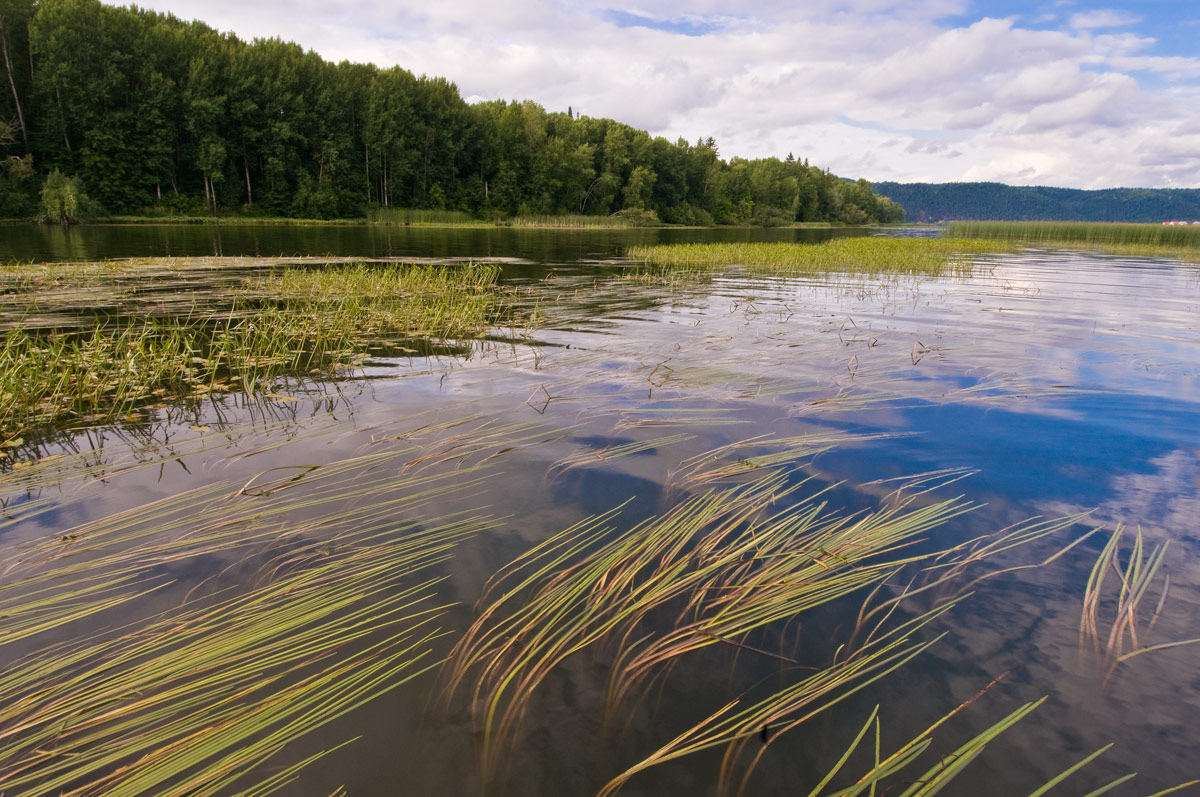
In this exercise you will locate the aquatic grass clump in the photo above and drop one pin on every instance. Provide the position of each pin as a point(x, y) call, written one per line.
point(50, 378)
point(420, 217)
point(291, 322)
point(1148, 240)
point(577, 221)
point(370, 300)
point(931, 257)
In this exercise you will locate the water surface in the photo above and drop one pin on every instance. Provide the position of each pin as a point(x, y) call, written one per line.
point(49, 242)
point(1050, 383)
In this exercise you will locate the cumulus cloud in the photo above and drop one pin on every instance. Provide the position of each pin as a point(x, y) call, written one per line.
point(835, 83)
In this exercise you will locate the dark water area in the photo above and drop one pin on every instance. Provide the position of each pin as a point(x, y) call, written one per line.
point(1047, 385)
point(48, 242)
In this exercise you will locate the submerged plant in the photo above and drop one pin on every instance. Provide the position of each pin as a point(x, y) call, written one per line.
point(1116, 640)
point(712, 570)
point(337, 606)
point(195, 700)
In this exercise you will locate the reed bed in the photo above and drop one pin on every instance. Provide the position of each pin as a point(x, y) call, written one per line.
point(930, 257)
point(369, 301)
point(1097, 234)
point(291, 322)
point(575, 221)
point(1132, 240)
point(416, 216)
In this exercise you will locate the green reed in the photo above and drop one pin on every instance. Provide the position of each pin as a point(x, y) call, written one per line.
point(293, 321)
point(862, 255)
point(416, 216)
point(574, 221)
point(1153, 237)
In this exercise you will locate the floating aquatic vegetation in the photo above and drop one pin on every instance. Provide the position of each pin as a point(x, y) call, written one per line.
point(606, 454)
point(744, 457)
point(195, 700)
point(197, 697)
point(709, 571)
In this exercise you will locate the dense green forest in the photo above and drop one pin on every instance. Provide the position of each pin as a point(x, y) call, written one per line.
point(999, 202)
point(146, 114)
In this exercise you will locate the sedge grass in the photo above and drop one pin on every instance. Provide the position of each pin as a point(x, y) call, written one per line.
point(419, 217)
point(291, 322)
point(577, 221)
point(863, 255)
point(1098, 234)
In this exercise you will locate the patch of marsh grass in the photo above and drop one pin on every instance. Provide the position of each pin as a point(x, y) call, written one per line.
point(294, 321)
point(1132, 239)
point(861, 255)
point(577, 221)
point(419, 217)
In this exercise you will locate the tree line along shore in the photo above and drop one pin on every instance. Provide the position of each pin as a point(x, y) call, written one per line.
point(129, 112)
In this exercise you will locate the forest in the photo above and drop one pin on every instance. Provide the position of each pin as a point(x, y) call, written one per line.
point(111, 111)
point(932, 202)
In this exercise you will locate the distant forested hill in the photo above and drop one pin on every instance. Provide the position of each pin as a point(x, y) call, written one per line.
point(996, 201)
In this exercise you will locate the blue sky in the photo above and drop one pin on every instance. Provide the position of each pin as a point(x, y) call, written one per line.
point(1158, 19)
point(1053, 92)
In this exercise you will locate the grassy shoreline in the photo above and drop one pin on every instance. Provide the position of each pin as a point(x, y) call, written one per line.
point(420, 219)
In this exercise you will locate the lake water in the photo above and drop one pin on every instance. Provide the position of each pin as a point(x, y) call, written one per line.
point(1048, 384)
point(46, 242)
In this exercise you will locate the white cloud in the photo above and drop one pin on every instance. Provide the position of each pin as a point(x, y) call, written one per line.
point(835, 84)
point(1103, 18)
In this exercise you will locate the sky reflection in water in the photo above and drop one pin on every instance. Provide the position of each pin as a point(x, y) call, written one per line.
point(1067, 382)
